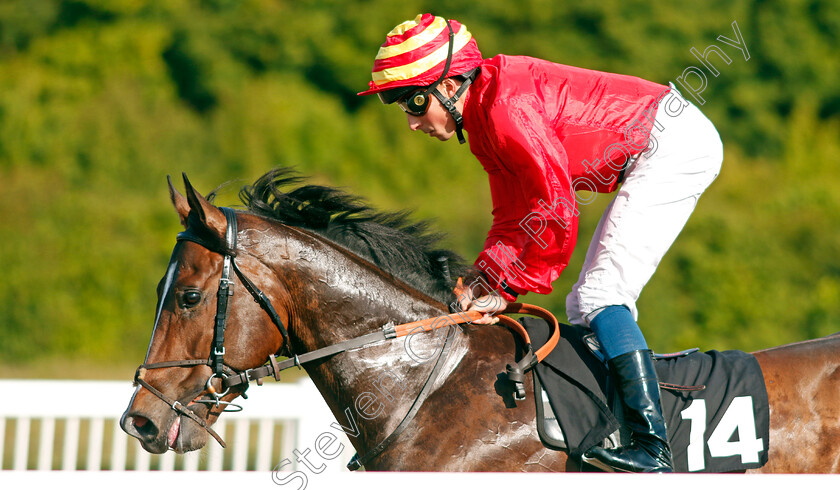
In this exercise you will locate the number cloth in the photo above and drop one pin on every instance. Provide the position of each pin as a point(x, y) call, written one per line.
point(724, 427)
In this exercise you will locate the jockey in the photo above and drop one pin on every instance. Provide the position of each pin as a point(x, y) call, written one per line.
point(544, 131)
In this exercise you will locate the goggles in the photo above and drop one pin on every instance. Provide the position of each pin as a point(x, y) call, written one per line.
point(417, 104)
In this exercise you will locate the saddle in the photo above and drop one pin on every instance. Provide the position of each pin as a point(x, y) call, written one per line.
point(708, 399)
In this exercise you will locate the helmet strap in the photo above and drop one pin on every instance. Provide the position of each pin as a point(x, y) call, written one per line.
point(449, 104)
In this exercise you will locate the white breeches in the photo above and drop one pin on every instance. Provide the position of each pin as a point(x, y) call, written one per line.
point(659, 193)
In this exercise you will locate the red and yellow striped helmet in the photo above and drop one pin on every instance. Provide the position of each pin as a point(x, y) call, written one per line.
point(414, 54)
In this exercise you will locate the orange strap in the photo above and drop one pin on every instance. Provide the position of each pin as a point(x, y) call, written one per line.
point(435, 323)
point(534, 310)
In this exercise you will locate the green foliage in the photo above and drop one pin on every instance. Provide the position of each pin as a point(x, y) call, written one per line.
point(758, 264)
point(100, 100)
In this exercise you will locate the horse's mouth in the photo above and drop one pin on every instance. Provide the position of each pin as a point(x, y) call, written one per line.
point(174, 431)
point(180, 436)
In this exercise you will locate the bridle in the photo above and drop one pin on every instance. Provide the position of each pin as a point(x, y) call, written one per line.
point(217, 352)
point(230, 377)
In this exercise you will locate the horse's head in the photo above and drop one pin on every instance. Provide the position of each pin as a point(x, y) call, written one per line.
point(203, 332)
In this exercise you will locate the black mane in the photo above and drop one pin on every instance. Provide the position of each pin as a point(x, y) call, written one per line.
point(391, 241)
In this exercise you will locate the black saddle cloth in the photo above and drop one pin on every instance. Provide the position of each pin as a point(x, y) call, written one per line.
point(578, 388)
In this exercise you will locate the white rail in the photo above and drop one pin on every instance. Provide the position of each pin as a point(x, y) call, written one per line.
point(74, 425)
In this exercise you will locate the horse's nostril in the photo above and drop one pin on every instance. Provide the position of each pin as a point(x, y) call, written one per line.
point(145, 427)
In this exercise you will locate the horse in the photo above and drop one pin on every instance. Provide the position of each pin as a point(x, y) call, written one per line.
point(324, 269)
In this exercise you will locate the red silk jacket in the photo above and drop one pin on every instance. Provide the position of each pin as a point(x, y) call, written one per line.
point(542, 130)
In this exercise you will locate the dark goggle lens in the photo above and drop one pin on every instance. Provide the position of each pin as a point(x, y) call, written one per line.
point(416, 104)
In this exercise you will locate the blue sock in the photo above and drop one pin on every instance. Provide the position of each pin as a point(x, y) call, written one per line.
point(617, 331)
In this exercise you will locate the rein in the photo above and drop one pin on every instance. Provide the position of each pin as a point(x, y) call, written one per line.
point(231, 378)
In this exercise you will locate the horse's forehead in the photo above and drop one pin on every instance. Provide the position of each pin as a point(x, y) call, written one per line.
point(194, 261)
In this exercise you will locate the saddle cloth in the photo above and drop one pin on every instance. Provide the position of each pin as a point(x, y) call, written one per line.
point(720, 426)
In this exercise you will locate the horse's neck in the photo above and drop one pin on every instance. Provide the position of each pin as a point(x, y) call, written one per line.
point(339, 295)
point(369, 390)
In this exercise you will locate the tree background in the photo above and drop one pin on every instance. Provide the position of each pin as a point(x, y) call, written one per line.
point(100, 100)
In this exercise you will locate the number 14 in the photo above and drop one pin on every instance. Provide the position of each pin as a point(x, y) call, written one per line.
point(739, 416)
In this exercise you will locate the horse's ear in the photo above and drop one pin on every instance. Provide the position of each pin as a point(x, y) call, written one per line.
point(207, 215)
point(179, 201)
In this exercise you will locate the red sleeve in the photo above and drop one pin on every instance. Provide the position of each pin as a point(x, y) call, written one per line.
point(534, 210)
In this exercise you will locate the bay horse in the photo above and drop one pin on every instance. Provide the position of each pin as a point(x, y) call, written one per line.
point(323, 269)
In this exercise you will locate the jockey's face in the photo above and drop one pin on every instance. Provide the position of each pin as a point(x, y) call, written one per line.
point(437, 121)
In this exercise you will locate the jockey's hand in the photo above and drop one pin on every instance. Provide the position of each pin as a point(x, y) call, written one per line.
point(488, 304)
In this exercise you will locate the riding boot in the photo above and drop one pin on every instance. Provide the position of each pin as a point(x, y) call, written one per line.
point(638, 389)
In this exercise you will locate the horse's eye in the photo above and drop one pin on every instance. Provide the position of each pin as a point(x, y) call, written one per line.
point(190, 298)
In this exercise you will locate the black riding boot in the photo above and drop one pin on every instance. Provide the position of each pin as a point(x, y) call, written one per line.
point(639, 391)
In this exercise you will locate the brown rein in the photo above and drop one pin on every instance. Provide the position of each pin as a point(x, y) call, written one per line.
point(516, 371)
point(470, 316)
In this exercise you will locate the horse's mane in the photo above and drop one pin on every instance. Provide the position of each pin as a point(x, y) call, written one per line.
point(391, 241)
